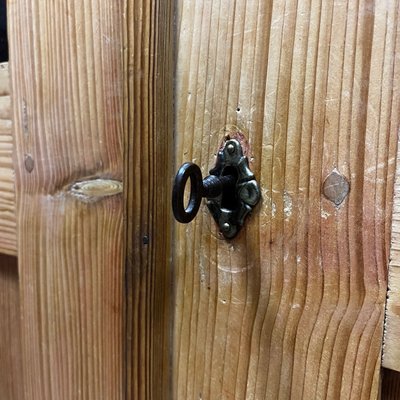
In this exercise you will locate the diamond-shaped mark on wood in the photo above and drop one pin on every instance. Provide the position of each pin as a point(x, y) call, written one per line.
point(336, 187)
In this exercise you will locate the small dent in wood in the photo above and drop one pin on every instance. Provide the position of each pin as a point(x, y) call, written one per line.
point(336, 187)
point(95, 189)
point(29, 163)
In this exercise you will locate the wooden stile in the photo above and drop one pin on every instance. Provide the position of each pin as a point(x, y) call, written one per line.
point(8, 235)
point(11, 378)
point(391, 340)
point(148, 112)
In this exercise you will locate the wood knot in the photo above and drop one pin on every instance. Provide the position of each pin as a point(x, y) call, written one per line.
point(336, 187)
point(96, 189)
point(29, 163)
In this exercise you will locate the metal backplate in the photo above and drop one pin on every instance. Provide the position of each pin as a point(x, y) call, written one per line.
point(234, 204)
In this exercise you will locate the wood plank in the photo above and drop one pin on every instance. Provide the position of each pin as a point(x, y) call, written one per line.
point(67, 87)
point(8, 235)
point(390, 385)
point(294, 306)
point(391, 340)
point(11, 379)
point(148, 171)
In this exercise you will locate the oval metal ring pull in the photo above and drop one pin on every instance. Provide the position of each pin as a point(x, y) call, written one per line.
point(187, 171)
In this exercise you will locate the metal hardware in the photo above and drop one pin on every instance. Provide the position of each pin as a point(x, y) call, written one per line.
point(231, 190)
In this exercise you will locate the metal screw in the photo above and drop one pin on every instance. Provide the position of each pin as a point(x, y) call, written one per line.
point(250, 193)
point(226, 227)
point(231, 148)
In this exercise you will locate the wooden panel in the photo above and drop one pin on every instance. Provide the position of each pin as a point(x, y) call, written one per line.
point(67, 85)
point(293, 307)
point(391, 344)
point(8, 239)
point(390, 385)
point(11, 379)
point(148, 172)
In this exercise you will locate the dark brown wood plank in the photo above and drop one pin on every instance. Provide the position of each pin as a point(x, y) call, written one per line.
point(11, 377)
point(148, 171)
point(390, 385)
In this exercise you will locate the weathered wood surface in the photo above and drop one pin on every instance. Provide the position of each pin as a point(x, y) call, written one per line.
point(67, 86)
point(391, 340)
point(294, 306)
point(11, 379)
point(8, 239)
point(148, 170)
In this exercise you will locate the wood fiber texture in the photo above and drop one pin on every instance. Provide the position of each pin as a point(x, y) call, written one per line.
point(293, 307)
point(390, 385)
point(148, 116)
point(8, 235)
point(67, 86)
point(391, 340)
point(11, 379)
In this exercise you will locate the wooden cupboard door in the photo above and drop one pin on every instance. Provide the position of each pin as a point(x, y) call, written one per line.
point(92, 125)
point(293, 307)
point(112, 307)
point(67, 91)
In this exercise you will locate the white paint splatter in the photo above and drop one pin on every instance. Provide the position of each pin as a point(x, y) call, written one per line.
point(287, 204)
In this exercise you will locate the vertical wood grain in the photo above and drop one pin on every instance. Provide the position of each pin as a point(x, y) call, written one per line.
point(148, 171)
point(11, 378)
point(294, 306)
point(391, 340)
point(8, 235)
point(67, 85)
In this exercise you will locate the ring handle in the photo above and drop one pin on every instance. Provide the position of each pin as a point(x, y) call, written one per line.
point(186, 171)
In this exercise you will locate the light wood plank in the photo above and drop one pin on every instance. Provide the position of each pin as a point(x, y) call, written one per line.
point(294, 306)
point(391, 340)
point(8, 236)
point(67, 85)
point(11, 378)
point(148, 171)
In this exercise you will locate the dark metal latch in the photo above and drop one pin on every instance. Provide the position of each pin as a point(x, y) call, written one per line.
point(231, 190)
